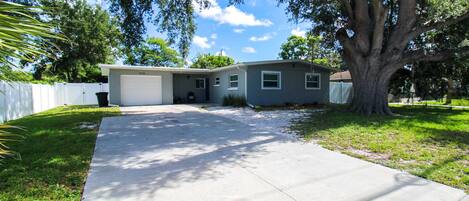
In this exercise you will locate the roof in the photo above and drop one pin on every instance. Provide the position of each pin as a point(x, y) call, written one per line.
point(345, 75)
point(106, 67)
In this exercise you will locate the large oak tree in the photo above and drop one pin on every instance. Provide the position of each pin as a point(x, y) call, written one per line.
point(376, 38)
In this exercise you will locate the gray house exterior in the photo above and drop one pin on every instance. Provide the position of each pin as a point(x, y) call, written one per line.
point(275, 82)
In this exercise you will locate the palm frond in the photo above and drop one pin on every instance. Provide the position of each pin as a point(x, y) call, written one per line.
point(7, 136)
point(22, 36)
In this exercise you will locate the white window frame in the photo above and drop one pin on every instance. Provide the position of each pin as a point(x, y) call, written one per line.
point(306, 81)
point(196, 83)
point(279, 73)
point(216, 85)
point(229, 82)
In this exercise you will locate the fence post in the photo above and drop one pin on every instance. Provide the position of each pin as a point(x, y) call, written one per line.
point(5, 99)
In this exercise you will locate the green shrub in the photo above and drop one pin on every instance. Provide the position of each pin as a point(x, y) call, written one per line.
point(236, 101)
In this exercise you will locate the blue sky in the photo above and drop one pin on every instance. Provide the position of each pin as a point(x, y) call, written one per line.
point(248, 32)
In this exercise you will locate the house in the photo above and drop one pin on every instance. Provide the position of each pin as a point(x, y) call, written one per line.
point(275, 82)
point(341, 77)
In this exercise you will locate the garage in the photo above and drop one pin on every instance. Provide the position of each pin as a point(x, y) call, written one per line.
point(141, 90)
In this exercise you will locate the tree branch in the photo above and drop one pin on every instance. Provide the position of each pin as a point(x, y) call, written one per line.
point(400, 35)
point(348, 8)
point(379, 16)
point(361, 26)
point(422, 55)
point(439, 25)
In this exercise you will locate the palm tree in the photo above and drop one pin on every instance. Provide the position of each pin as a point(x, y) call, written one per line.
point(22, 37)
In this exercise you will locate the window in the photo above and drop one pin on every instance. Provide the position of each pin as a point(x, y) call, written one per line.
point(271, 80)
point(217, 81)
point(233, 85)
point(313, 81)
point(200, 83)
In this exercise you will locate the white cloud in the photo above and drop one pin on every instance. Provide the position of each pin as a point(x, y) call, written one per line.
point(298, 32)
point(264, 37)
point(202, 42)
point(214, 36)
point(249, 50)
point(230, 15)
point(238, 30)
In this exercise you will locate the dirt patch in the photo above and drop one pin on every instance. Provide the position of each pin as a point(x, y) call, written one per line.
point(369, 154)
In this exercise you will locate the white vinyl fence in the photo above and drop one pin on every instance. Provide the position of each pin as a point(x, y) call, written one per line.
point(20, 99)
point(340, 92)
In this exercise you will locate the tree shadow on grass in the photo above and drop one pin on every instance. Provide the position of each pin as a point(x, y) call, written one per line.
point(433, 124)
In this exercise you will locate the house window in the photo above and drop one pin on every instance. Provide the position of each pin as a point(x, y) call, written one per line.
point(313, 81)
point(271, 79)
point(217, 81)
point(233, 85)
point(200, 83)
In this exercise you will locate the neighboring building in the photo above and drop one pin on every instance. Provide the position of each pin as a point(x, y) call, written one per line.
point(341, 77)
point(274, 82)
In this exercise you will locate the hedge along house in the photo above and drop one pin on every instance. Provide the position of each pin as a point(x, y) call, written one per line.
point(275, 82)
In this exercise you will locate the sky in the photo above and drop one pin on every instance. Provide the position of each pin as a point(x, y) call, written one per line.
point(252, 31)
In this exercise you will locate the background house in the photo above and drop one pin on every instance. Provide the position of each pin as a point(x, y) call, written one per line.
point(341, 77)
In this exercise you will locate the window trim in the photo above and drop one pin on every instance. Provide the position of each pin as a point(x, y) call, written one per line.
point(229, 82)
point(217, 85)
point(306, 81)
point(279, 73)
point(196, 83)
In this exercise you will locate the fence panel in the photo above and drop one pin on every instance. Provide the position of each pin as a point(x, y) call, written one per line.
point(22, 99)
point(340, 92)
point(74, 94)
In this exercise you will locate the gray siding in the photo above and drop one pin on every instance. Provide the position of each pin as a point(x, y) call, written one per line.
point(218, 92)
point(114, 84)
point(292, 85)
point(184, 83)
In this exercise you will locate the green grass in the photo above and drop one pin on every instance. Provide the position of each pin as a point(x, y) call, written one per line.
point(429, 142)
point(55, 155)
point(454, 102)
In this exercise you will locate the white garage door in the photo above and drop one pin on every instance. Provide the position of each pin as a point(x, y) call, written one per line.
point(141, 90)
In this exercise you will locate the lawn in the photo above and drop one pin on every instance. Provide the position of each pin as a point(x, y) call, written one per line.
point(454, 102)
point(55, 154)
point(429, 142)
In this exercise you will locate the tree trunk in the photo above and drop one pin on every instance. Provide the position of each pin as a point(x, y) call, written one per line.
point(370, 89)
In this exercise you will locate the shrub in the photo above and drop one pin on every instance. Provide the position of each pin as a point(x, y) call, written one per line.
point(236, 101)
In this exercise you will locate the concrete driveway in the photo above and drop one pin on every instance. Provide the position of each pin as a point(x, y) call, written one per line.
point(182, 153)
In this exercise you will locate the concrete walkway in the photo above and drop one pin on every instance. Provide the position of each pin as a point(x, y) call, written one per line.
point(182, 153)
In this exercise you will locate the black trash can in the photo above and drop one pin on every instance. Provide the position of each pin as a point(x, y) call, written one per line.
point(102, 99)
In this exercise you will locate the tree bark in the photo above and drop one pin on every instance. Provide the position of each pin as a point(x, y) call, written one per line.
point(370, 89)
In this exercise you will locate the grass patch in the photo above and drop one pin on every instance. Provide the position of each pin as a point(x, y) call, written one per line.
point(429, 142)
point(454, 102)
point(56, 154)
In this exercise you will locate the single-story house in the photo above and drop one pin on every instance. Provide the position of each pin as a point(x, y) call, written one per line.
point(341, 77)
point(275, 82)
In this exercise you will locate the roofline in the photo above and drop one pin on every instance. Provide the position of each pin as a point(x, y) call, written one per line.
point(105, 67)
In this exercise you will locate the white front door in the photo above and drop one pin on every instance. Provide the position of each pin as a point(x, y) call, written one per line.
point(141, 90)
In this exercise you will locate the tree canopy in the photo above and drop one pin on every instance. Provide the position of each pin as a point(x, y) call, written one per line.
point(92, 38)
point(154, 52)
point(210, 61)
point(174, 17)
point(309, 48)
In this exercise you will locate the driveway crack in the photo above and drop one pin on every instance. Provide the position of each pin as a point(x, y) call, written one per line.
point(269, 183)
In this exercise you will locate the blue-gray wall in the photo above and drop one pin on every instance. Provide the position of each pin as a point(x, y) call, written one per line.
point(218, 92)
point(185, 83)
point(115, 89)
point(293, 85)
